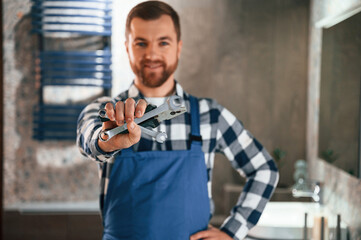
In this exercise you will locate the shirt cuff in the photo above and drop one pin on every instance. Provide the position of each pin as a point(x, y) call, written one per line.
point(235, 226)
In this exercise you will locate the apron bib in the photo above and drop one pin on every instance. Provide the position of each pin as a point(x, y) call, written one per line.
point(158, 195)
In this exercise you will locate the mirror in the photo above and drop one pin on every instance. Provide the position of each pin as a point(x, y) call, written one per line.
point(339, 128)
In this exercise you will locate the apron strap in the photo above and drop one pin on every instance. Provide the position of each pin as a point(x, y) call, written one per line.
point(195, 123)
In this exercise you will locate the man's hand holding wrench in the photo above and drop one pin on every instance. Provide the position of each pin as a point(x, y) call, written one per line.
point(123, 111)
point(135, 114)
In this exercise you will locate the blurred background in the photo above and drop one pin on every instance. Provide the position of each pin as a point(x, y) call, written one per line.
point(288, 69)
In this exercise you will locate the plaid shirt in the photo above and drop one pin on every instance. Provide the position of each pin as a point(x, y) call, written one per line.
point(220, 131)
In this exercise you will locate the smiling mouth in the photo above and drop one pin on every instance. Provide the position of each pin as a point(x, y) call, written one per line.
point(152, 66)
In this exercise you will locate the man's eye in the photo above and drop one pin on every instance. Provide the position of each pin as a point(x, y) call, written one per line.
point(141, 44)
point(164, 43)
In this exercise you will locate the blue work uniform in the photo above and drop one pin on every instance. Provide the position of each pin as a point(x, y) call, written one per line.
point(158, 195)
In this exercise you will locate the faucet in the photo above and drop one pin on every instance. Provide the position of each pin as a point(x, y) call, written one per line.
point(303, 187)
point(311, 189)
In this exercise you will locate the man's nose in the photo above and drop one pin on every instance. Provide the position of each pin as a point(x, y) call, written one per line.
point(151, 52)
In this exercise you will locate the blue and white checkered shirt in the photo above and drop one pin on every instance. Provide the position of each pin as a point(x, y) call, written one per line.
point(220, 131)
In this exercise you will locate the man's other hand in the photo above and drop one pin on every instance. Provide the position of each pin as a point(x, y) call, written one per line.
point(123, 111)
point(211, 233)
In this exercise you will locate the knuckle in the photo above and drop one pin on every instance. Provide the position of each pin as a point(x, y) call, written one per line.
point(141, 106)
point(130, 101)
point(119, 104)
point(109, 106)
point(142, 102)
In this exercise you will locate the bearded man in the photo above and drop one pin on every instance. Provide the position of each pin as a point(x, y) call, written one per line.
point(162, 191)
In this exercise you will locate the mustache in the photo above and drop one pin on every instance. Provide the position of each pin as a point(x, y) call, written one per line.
point(146, 62)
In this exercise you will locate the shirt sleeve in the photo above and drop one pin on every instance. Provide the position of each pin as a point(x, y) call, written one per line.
point(252, 161)
point(88, 129)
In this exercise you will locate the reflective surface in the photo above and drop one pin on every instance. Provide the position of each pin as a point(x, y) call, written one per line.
point(339, 126)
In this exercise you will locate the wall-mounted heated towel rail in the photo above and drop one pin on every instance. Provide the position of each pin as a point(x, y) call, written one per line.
point(62, 61)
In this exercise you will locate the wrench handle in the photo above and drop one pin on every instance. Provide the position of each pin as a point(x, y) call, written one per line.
point(150, 123)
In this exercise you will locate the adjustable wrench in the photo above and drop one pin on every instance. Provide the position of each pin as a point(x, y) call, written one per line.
point(173, 107)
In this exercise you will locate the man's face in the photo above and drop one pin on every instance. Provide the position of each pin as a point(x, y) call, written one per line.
point(153, 50)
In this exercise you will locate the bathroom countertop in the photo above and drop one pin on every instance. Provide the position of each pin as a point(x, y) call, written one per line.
point(89, 207)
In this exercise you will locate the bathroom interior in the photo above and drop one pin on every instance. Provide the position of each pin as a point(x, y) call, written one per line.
point(290, 70)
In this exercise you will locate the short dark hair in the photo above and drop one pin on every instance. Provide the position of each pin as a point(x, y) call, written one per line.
point(152, 10)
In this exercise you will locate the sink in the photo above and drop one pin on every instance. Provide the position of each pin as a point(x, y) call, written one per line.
point(285, 220)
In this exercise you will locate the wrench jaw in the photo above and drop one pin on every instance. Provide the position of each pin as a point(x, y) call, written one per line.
point(175, 107)
point(161, 137)
point(175, 102)
point(103, 115)
point(103, 136)
point(166, 115)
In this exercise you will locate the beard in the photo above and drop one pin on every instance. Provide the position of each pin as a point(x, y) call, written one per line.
point(154, 79)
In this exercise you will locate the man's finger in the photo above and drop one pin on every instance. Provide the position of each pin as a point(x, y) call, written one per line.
point(121, 141)
point(134, 133)
point(110, 111)
point(119, 113)
point(202, 234)
point(140, 108)
point(129, 110)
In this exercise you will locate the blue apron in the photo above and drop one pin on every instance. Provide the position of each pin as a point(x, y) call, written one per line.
point(158, 195)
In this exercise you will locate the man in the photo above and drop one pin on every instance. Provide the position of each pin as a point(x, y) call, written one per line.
point(160, 191)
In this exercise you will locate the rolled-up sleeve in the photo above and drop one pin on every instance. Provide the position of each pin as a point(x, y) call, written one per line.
point(252, 161)
point(88, 129)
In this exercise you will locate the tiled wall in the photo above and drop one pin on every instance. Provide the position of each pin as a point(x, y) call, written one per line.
point(252, 59)
point(243, 50)
point(34, 171)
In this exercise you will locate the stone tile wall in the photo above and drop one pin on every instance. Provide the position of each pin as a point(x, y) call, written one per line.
point(249, 55)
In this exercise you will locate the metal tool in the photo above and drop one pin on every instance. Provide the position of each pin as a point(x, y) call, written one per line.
point(159, 136)
point(173, 107)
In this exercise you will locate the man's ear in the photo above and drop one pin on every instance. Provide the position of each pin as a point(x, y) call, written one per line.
point(126, 46)
point(180, 44)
